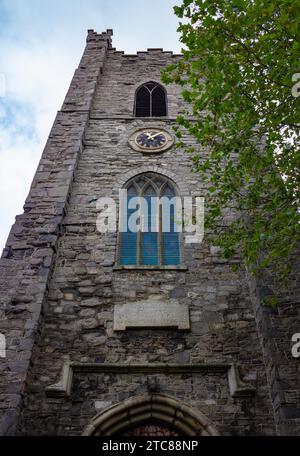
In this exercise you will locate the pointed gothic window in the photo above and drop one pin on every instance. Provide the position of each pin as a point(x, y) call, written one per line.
point(149, 234)
point(151, 101)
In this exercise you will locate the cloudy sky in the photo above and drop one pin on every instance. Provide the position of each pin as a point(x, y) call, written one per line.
point(41, 42)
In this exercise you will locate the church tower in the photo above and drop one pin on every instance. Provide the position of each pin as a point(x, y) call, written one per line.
point(124, 332)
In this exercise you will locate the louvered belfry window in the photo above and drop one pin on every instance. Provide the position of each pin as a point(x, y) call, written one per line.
point(151, 101)
point(156, 242)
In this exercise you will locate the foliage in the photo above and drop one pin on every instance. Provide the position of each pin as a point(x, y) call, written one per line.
point(240, 64)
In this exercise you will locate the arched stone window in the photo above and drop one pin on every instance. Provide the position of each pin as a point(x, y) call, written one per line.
point(151, 202)
point(150, 101)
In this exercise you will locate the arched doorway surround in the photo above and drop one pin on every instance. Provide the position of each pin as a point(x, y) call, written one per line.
point(119, 418)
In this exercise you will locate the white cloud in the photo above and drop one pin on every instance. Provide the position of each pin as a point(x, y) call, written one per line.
point(33, 83)
point(18, 160)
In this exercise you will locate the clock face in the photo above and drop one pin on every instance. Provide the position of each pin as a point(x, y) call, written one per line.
point(150, 140)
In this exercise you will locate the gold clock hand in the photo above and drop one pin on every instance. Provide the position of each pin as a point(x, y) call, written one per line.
point(150, 136)
point(160, 133)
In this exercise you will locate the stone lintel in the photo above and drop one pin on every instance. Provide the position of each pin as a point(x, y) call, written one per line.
point(63, 387)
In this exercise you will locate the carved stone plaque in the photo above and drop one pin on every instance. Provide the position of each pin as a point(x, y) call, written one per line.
point(151, 313)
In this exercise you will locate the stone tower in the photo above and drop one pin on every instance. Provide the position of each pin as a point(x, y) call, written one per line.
point(174, 344)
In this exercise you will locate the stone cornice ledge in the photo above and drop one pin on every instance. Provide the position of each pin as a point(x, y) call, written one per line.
point(150, 268)
point(63, 387)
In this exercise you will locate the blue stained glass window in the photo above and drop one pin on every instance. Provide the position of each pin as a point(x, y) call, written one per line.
point(154, 244)
point(170, 239)
point(149, 235)
point(129, 238)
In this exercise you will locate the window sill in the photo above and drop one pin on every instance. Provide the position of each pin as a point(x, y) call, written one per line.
point(150, 268)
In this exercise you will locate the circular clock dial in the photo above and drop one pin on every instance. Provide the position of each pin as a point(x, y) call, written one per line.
point(151, 139)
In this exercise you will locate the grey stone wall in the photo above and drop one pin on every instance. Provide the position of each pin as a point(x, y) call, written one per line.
point(72, 266)
point(275, 328)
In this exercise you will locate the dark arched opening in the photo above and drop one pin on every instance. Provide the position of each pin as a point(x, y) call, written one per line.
point(150, 101)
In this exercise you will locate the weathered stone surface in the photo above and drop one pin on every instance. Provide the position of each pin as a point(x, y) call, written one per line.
point(59, 288)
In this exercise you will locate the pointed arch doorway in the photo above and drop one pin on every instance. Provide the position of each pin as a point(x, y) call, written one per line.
point(153, 414)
